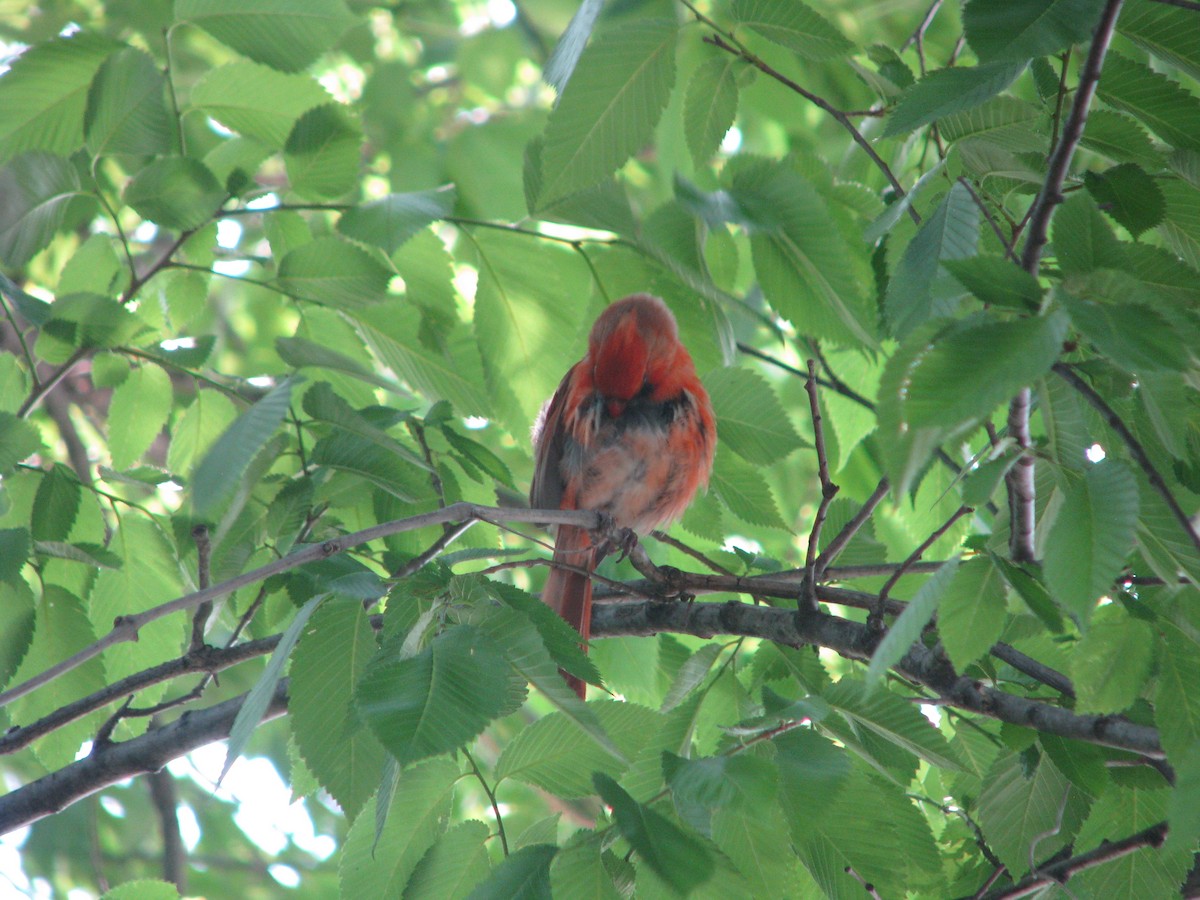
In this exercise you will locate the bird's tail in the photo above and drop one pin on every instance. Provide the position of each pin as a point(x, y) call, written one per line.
point(570, 593)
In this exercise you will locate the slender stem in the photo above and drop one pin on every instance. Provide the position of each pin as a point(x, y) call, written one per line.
point(915, 556)
point(828, 488)
point(491, 798)
point(851, 528)
point(1136, 450)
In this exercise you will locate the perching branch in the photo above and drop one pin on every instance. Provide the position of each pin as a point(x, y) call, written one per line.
point(126, 628)
point(857, 641)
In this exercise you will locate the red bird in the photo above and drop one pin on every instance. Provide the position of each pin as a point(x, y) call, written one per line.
point(629, 432)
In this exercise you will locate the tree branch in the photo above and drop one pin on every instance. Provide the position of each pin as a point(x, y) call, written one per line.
point(1022, 492)
point(125, 628)
point(857, 641)
point(1136, 450)
point(1059, 872)
point(109, 763)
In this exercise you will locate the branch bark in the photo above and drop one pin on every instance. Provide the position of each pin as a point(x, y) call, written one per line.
point(109, 763)
point(856, 641)
point(1020, 480)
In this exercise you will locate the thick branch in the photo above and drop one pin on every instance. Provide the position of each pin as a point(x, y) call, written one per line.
point(109, 763)
point(856, 641)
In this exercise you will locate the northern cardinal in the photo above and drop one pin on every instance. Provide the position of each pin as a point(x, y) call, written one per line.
point(629, 432)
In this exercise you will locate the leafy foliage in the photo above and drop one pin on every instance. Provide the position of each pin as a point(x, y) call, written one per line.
point(284, 286)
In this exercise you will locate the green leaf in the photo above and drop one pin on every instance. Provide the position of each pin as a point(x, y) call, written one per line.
point(556, 755)
point(691, 674)
point(996, 281)
point(256, 101)
point(142, 889)
point(1129, 195)
point(348, 452)
point(1181, 229)
point(323, 404)
point(579, 870)
point(1163, 106)
point(322, 152)
point(674, 855)
point(1177, 698)
point(85, 321)
point(893, 718)
point(443, 370)
point(947, 91)
point(1024, 29)
point(972, 370)
point(1119, 138)
point(45, 92)
point(807, 270)
point(793, 25)
point(456, 863)
point(392, 220)
point(1083, 240)
point(19, 439)
point(1092, 535)
point(38, 189)
point(1020, 804)
point(560, 639)
point(127, 109)
point(527, 654)
point(971, 613)
point(55, 505)
point(258, 700)
point(951, 232)
point(744, 491)
point(138, 411)
point(1004, 121)
point(750, 419)
point(284, 34)
point(14, 551)
point(1112, 661)
point(524, 875)
point(332, 653)
point(710, 106)
point(1165, 31)
point(333, 272)
point(198, 428)
point(741, 782)
point(175, 192)
point(226, 462)
point(1134, 335)
point(610, 106)
point(437, 700)
point(907, 628)
point(519, 322)
point(302, 353)
point(381, 866)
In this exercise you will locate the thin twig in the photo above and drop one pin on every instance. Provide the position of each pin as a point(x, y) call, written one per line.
point(1060, 872)
point(828, 488)
point(726, 41)
point(1182, 4)
point(1136, 450)
point(126, 628)
point(851, 528)
point(491, 799)
point(203, 558)
point(876, 617)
